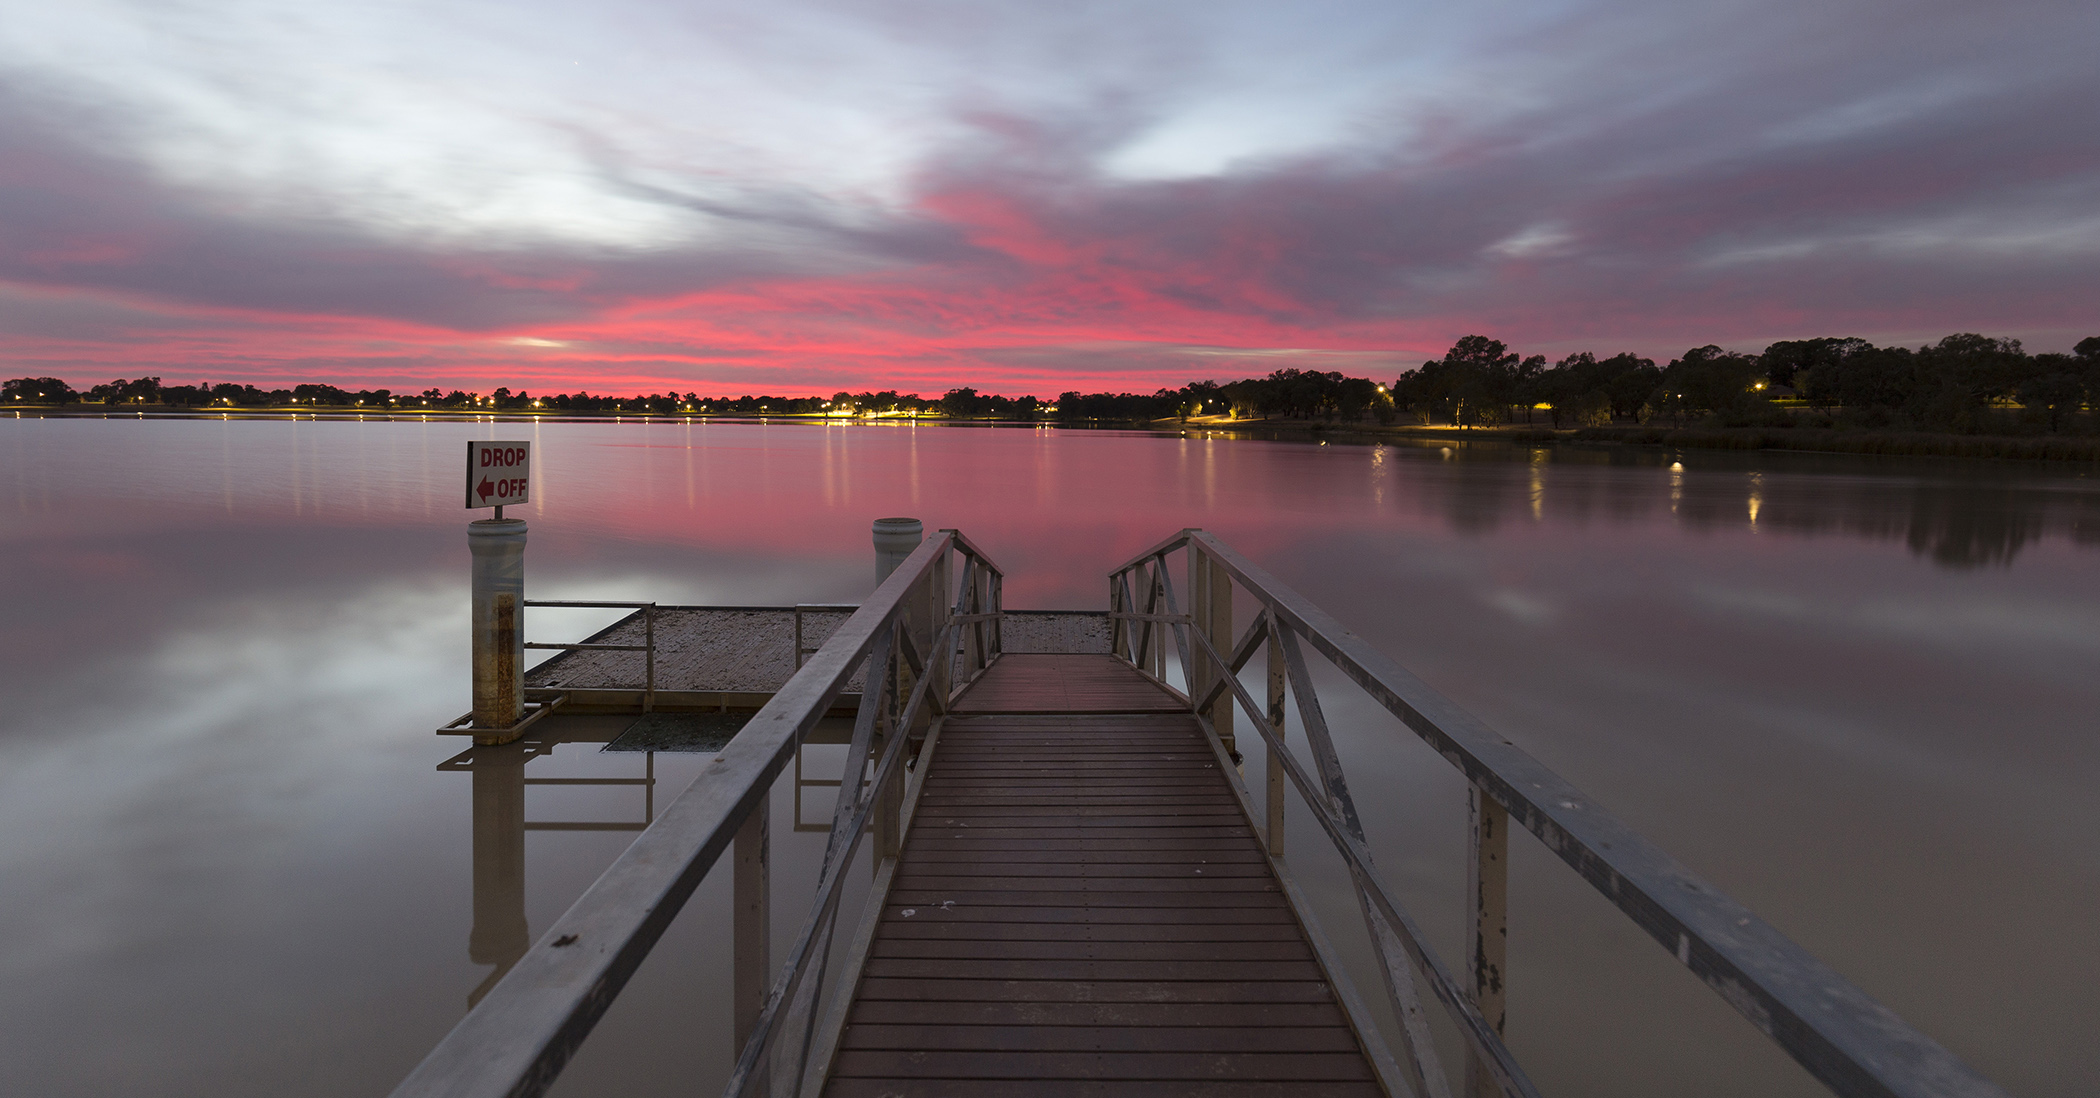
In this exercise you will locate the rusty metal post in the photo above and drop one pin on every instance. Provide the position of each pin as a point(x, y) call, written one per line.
point(497, 626)
point(1487, 888)
point(752, 920)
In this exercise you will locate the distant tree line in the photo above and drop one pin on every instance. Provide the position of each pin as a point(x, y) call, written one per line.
point(1288, 393)
point(1965, 383)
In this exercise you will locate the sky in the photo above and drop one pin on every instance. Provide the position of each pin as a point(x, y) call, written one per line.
point(803, 196)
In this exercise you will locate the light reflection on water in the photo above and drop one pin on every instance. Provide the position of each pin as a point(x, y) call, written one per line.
point(1855, 693)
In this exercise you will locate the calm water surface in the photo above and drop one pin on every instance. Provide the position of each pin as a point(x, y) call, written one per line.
point(1859, 695)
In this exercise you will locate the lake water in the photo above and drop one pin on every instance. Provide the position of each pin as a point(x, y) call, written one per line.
point(1857, 694)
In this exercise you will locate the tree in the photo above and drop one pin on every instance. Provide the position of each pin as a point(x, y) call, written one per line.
point(145, 390)
point(1785, 361)
point(961, 403)
point(1958, 378)
point(1630, 382)
point(247, 396)
point(1709, 380)
point(1473, 384)
point(320, 394)
point(1577, 388)
point(2057, 389)
point(37, 390)
point(1878, 378)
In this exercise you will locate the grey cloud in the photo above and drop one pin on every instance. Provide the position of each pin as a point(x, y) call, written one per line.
point(75, 215)
point(1743, 170)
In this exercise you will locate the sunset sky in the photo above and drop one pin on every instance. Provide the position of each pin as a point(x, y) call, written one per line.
point(800, 196)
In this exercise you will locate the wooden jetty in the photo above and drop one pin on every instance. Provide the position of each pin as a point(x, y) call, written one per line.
point(1074, 888)
point(1082, 906)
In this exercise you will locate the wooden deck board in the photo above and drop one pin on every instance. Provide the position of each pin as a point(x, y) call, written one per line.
point(1081, 908)
point(1064, 684)
point(1089, 950)
point(880, 1012)
point(1101, 1088)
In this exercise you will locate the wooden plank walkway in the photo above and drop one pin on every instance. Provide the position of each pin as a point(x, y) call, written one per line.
point(1064, 684)
point(1081, 909)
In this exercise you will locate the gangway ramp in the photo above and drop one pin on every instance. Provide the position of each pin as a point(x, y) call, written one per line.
point(1093, 907)
point(1083, 908)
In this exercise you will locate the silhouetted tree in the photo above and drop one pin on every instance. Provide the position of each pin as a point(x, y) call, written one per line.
point(37, 390)
point(1784, 361)
point(1709, 381)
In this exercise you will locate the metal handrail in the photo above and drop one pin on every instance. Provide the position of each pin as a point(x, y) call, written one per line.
point(517, 1040)
point(1849, 1042)
point(648, 644)
point(801, 649)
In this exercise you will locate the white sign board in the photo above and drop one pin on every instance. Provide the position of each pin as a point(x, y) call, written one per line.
point(496, 473)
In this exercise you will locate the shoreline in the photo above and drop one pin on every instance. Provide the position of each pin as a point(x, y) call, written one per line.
point(2051, 448)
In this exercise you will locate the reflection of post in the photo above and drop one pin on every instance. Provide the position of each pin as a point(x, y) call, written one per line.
point(498, 546)
point(1488, 873)
point(500, 935)
point(751, 919)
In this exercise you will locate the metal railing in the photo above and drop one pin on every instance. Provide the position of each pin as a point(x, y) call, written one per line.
point(1850, 1043)
point(647, 647)
point(922, 637)
point(803, 648)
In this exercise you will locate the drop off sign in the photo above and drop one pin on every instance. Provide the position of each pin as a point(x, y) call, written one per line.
point(496, 474)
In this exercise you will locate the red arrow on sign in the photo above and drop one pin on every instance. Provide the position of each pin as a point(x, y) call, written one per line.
point(486, 489)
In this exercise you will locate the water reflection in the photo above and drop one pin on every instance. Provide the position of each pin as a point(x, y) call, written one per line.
point(1956, 515)
point(1857, 692)
point(501, 933)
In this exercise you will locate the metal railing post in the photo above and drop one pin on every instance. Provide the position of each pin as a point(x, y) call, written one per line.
point(998, 590)
point(941, 665)
point(889, 815)
point(1201, 674)
point(751, 919)
point(649, 658)
point(1275, 797)
point(1115, 624)
point(1487, 889)
point(1217, 588)
point(981, 631)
